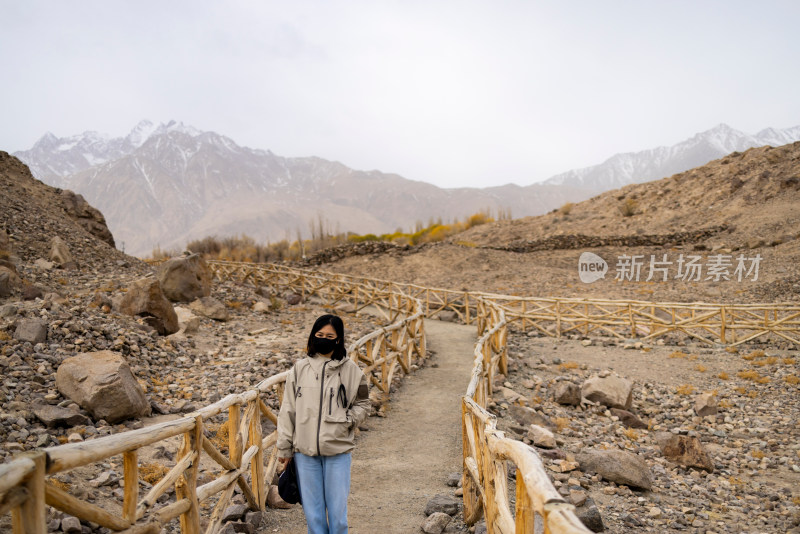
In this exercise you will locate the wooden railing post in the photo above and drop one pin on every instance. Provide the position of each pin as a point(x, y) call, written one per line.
point(29, 518)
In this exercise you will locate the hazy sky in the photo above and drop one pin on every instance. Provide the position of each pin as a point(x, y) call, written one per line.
point(449, 92)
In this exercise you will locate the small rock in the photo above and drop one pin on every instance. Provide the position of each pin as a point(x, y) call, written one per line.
point(454, 479)
point(234, 512)
point(567, 393)
point(541, 437)
point(705, 404)
point(211, 308)
point(684, 450)
point(627, 418)
point(611, 390)
point(71, 525)
point(74, 438)
point(31, 330)
point(442, 503)
point(436, 523)
point(617, 466)
point(294, 299)
point(590, 516)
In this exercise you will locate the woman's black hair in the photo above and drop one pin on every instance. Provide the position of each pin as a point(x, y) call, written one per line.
point(335, 321)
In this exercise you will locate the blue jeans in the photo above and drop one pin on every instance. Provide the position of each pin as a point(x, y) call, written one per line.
point(324, 484)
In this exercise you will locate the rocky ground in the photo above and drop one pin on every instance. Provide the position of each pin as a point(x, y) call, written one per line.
point(752, 440)
point(179, 373)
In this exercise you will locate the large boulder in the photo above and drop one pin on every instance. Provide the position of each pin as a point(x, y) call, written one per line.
point(610, 390)
point(144, 298)
point(185, 279)
point(87, 216)
point(617, 466)
point(211, 308)
point(684, 450)
point(59, 253)
point(103, 385)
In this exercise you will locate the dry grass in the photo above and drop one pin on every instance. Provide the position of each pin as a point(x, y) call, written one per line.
point(693, 357)
point(561, 423)
point(772, 360)
point(568, 365)
point(701, 368)
point(566, 209)
point(754, 355)
point(723, 376)
point(4, 336)
point(234, 304)
point(735, 481)
point(678, 354)
point(748, 375)
point(732, 350)
point(792, 379)
point(628, 207)
point(684, 389)
point(631, 434)
point(152, 473)
point(789, 361)
point(724, 403)
point(796, 501)
point(757, 454)
point(60, 484)
point(220, 437)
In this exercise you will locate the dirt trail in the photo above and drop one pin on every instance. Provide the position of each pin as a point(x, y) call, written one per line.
point(404, 459)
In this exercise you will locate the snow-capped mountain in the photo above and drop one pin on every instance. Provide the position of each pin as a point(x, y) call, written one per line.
point(52, 158)
point(165, 185)
point(656, 163)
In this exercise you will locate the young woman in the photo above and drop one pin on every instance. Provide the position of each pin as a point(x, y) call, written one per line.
point(325, 399)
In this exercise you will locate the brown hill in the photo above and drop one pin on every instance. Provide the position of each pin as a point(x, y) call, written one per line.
point(755, 194)
point(744, 208)
point(32, 214)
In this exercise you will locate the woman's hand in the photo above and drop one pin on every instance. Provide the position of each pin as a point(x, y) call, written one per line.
point(284, 462)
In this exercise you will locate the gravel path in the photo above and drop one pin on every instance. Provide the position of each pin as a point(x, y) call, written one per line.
point(404, 459)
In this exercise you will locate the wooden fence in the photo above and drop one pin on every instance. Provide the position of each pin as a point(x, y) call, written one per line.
point(538, 507)
point(710, 323)
point(251, 460)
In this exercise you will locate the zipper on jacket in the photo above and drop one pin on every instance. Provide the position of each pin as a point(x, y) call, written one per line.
point(321, 398)
point(330, 401)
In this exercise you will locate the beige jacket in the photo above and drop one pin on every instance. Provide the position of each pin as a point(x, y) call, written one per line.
point(315, 418)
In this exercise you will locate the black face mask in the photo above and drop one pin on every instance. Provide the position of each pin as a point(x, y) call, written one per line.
point(322, 345)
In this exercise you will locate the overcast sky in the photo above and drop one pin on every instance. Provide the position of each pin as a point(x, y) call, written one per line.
point(453, 93)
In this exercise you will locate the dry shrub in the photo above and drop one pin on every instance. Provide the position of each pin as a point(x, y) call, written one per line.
point(561, 423)
point(684, 389)
point(748, 375)
point(757, 454)
point(735, 481)
point(754, 355)
point(723, 376)
point(740, 390)
point(631, 434)
point(152, 473)
point(566, 209)
point(789, 361)
point(732, 350)
point(792, 379)
point(693, 357)
point(568, 365)
point(724, 403)
point(4, 336)
point(234, 304)
point(60, 484)
point(220, 437)
point(678, 354)
point(701, 368)
point(628, 207)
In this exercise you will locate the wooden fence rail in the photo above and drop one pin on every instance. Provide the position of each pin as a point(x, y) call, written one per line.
point(710, 323)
